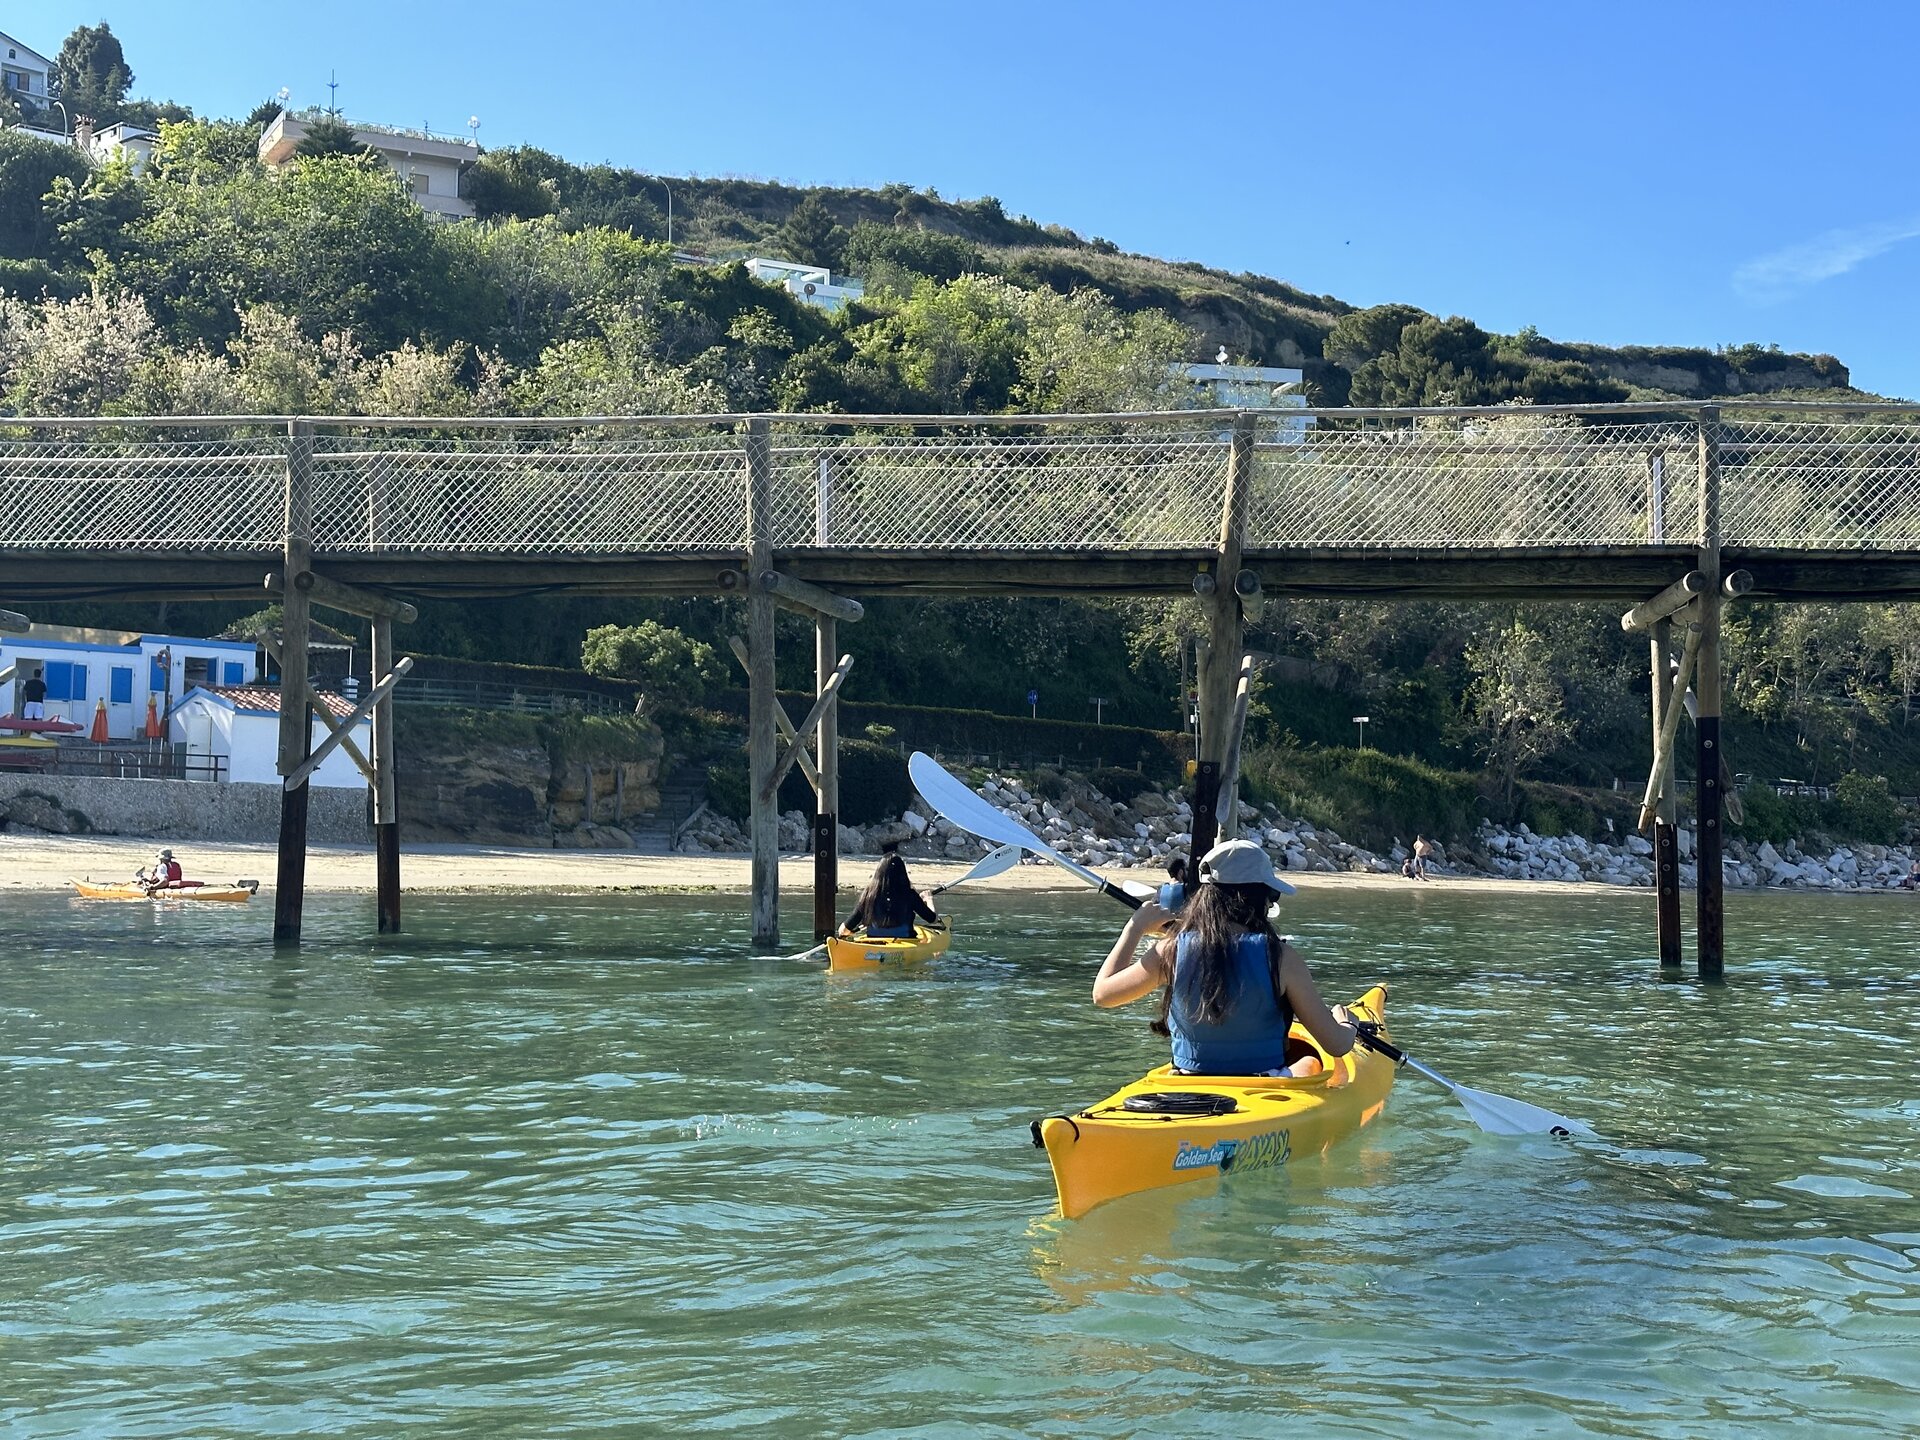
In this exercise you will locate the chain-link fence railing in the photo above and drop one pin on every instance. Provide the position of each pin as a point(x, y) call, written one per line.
point(83, 491)
point(1136, 487)
point(1495, 480)
point(1502, 482)
point(1820, 485)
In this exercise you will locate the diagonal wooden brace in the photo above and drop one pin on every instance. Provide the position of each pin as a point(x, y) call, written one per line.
point(336, 728)
point(780, 720)
point(379, 692)
point(1663, 742)
point(795, 747)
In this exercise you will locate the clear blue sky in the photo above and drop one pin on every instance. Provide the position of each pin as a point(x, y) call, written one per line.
point(1679, 173)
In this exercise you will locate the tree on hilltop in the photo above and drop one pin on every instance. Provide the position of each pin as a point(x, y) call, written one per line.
point(811, 236)
point(90, 74)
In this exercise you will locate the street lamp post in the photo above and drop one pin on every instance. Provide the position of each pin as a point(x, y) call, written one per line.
point(1099, 703)
point(1361, 721)
point(669, 189)
point(66, 120)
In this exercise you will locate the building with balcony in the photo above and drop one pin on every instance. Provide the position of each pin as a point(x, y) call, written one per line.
point(429, 165)
point(24, 73)
point(812, 284)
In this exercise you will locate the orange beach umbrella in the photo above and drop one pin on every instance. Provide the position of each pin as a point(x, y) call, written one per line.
point(153, 719)
point(99, 731)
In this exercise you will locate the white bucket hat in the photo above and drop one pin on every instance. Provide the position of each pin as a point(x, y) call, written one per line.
point(1241, 862)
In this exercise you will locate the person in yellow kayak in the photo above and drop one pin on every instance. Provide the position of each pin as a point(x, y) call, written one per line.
point(889, 906)
point(166, 873)
point(1229, 986)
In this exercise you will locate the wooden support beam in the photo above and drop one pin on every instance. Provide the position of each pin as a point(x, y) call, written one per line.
point(337, 735)
point(386, 808)
point(1709, 882)
point(349, 599)
point(822, 703)
point(1666, 839)
point(810, 599)
point(1669, 724)
point(781, 722)
point(296, 731)
point(1229, 805)
point(1226, 623)
point(826, 782)
point(763, 823)
point(14, 623)
point(1682, 592)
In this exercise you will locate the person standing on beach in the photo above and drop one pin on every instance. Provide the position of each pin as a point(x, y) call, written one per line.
point(33, 697)
point(1422, 854)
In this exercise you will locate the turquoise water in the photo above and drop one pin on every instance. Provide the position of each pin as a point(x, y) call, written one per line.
point(585, 1166)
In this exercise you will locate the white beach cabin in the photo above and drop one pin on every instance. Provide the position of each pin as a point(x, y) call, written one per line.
point(240, 724)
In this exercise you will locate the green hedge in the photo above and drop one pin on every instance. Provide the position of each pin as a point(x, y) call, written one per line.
point(1366, 796)
point(874, 786)
point(1013, 740)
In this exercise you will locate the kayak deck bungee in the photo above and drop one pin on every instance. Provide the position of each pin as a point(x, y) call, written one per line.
point(1168, 1128)
point(238, 892)
point(863, 952)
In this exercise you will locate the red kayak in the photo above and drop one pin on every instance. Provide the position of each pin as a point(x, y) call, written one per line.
point(39, 727)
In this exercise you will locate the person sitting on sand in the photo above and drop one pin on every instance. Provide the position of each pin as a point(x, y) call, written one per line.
point(1173, 894)
point(166, 873)
point(889, 905)
point(1229, 987)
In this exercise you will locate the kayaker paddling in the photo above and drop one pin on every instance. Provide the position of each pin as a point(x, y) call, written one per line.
point(1229, 985)
point(889, 906)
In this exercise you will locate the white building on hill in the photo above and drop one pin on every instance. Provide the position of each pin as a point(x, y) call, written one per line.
point(1256, 387)
point(429, 165)
point(240, 726)
point(813, 284)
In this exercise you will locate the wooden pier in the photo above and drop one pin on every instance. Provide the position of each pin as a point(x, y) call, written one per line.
point(1675, 509)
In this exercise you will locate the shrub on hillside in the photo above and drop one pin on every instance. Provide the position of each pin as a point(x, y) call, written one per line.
point(1863, 808)
point(1366, 796)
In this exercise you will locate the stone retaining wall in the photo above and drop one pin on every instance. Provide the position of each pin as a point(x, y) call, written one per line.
point(174, 809)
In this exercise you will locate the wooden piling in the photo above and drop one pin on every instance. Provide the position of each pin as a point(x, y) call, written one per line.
point(1709, 882)
point(1666, 836)
point(764, 811)
point(1226, 624)
point(1206, 815)
point(386, 810)
point(296, 720)
point(826, 793)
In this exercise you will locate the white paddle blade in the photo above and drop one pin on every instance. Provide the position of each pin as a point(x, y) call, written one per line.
point(994, 862)
point(951, 799)
point(1135, 888)
point(809, 954)
point(1503, 1115)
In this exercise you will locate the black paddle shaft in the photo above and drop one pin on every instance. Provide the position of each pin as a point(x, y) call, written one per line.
point(1368, 1034)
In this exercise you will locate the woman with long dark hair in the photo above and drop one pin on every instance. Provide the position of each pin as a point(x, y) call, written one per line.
point(1230, 987)
point(889, 905)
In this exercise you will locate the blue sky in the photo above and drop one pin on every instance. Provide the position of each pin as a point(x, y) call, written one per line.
point(1684, 173)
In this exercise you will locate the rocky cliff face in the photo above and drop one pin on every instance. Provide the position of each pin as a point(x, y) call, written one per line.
point(515, 795)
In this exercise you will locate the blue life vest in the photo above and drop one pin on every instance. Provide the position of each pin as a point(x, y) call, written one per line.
point(1252, 1038)
point(1173, 895)
point(888, 932)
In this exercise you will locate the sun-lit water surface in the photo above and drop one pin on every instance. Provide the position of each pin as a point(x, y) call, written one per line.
point(566, 1166)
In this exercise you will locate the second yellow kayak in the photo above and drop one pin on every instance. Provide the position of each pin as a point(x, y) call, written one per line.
point(1169, 1128)
point(861, 952)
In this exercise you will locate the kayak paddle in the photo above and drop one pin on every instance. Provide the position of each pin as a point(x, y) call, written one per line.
point(1495, 1114)
point(992, 863)
point(953, 801)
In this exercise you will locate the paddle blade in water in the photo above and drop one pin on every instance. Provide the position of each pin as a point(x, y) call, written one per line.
point(1503, 1115)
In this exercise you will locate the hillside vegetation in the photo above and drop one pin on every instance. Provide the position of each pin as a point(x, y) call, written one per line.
point(208, 285)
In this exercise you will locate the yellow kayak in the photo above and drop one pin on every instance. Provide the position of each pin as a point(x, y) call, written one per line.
point(1169, 1128)
point(862, 952)
point(237, 892)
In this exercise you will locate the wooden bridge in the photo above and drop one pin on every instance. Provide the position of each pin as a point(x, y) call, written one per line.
point(1615, 502)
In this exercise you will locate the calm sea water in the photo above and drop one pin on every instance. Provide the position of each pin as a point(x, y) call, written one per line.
point(585, 1166)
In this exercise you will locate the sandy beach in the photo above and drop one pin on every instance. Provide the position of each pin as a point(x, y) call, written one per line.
point(49, 862)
